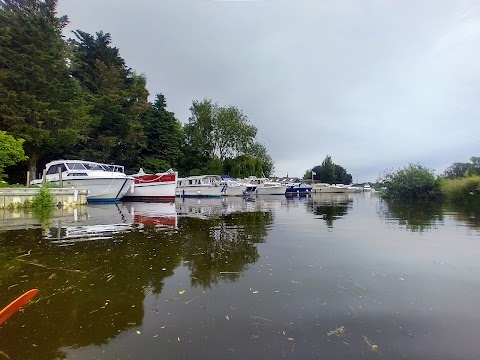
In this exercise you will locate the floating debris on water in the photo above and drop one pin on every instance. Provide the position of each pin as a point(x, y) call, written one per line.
point(337, 331)
point(372, 346)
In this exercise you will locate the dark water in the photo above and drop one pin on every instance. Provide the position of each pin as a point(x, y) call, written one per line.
point(331, 277)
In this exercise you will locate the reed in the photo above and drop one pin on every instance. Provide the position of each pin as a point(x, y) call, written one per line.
point(461, 190)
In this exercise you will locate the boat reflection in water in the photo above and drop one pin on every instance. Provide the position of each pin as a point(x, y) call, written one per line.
point(330, 206)
point(207, 208)
point(101, 222)
point(161, 214)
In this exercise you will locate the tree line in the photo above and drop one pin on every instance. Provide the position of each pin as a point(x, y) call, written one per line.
point(77, 98)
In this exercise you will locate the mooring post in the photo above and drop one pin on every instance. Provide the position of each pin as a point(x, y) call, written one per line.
point(44, 176)
point(60, 176)
point(28, 179)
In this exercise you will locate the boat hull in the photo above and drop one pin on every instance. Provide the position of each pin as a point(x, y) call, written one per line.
point(153, 187)
point(101, 189)
point(199, 191)
point(298, 191)
point(328, 190)
point(236, 191)
point(271, 190)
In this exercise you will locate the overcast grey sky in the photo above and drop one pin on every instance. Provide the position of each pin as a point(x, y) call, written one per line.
point(375, 84)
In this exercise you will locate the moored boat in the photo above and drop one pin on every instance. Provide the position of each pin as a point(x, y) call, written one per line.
point(298, 189)
point(232, 187)
point(327, 188)
point(200, 186)
point(266, 187)
point(104, 182)
point(150, 187)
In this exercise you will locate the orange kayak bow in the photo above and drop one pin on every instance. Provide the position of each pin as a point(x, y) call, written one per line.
point(13, 307)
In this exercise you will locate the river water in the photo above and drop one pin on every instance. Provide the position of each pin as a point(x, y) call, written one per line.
point(323, 277)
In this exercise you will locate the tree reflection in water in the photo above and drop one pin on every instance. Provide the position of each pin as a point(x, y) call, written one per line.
point(414, 215)
point(90, 291)
point(329, 206)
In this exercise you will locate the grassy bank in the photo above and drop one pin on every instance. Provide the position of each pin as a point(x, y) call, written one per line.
point(463, 190)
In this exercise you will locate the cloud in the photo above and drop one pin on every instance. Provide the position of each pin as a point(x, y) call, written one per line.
point(374, 84)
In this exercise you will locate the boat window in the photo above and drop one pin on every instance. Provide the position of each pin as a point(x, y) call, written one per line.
point(75, 166)
point(90, 166)
point(77, 174)
point(54, 169)
point(109, 168)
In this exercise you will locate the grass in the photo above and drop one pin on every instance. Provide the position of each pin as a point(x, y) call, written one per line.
point(463, 190)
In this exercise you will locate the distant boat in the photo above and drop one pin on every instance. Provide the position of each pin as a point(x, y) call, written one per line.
point(327, 188)
point(267, 187)
point(105, 183)
point(200, 186)
point(367, 187)
point(294, 189)
point(159, 186)
point(232, 187)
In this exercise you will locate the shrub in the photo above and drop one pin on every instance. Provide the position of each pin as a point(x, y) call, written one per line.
point(42, 200)
point(461, 190)
point(411, 182)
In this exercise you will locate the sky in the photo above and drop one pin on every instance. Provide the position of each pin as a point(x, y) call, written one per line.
point(375, 84)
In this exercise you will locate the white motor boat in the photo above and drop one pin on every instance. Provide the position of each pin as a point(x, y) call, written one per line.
point(266, 187)
point(200, 186)
point(327, 188)
point(367, 187)
point(233, 187)
point(159, 186)
point(105, 183)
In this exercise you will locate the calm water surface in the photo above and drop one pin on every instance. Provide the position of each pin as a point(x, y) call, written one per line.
point(328, 277)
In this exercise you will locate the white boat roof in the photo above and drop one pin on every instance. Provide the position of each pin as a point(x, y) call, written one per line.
point(58, 162)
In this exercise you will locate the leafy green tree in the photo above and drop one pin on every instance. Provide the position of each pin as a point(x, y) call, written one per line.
point(325, 172)
point(38, 95)
point(243, 166)
point(118, 98)
point(164, 136)
point(11, 151)
point(220, 132)
point(259, 151)
point(199, 129)
point(330, 173)
point(411, 182)
point(341, 175)
point(232, 133)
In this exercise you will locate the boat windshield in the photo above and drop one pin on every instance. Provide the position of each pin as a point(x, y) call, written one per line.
point(75, 166)
point(90, 166)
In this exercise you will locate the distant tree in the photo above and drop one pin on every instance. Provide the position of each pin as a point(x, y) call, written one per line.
point(329, 172)
point(459, 170)
point(38, 97)
point(341, 175)
point(11, 151)
point(307, 175)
